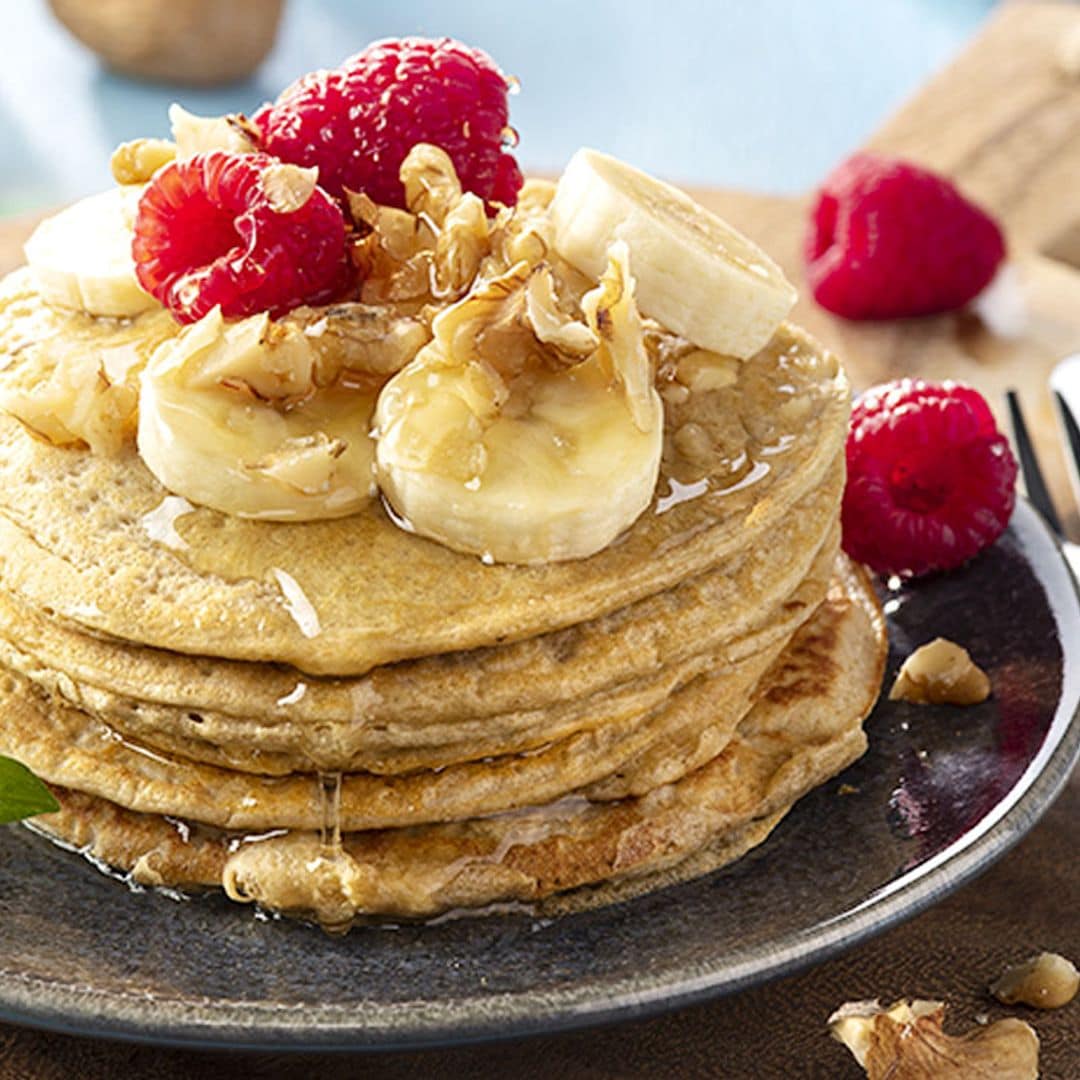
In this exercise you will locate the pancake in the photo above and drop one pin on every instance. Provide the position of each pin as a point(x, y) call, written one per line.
point(68, 747)
point(803, 727)
point(277, 745)
point(568, 664)
point(340, 597)
point(110, 836)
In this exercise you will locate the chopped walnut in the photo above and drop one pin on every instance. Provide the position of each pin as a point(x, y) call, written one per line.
point(612, 314)
point(432, 188)
point(359, 339)
point(77, 383)
point(271, 361)
point(76, 406)
point(460, 248)
point(551, 324)
point(444, 245)
point(394, 252)
point(1046, 981)
point(940, 673)
point(501, 332)
point(136, 162)
point(288, 187)
point(906, 1042)
point(524, 234)
point(301, 462)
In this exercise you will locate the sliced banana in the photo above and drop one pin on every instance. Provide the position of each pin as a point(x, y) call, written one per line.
point(81, 257)
point(519, 434)
point(695, 274)
point(246, 418)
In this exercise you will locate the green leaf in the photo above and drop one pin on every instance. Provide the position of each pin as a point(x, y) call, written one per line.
point(22, 794)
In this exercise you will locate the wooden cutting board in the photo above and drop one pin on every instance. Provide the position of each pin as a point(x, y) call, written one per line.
point(1004, 121)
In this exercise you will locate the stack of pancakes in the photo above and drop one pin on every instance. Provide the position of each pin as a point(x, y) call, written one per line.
point(342, 719)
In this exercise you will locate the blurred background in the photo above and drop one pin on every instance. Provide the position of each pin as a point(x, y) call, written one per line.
point(765, 94)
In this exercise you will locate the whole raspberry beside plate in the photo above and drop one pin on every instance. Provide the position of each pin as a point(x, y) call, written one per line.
point(931, 480)
point(357, 122)
point(239, 231)
point(889, 239)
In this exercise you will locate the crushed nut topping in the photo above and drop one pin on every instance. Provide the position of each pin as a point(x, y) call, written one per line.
point(288, 187)
point(136, 162)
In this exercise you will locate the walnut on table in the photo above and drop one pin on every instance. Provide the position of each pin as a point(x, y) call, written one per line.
point(1046, 981)
point(906, 1042)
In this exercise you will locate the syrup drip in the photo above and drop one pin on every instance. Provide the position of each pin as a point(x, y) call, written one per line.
point(330, 810)
point(331, 868)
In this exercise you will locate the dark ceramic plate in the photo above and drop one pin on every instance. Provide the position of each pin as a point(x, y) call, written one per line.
point(941, 793)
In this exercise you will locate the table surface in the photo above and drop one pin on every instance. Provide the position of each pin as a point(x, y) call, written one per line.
point(752, 139)
point(764, 96)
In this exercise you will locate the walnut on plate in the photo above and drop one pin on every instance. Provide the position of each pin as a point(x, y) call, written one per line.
point(940, 673)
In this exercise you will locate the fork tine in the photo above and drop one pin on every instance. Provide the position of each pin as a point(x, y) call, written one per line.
point(1072, 431)
point(1029, 463)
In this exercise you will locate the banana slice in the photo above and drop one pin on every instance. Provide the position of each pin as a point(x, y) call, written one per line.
point(695, 274)
point(81, 257)
point(247, 419)
point(520, 434)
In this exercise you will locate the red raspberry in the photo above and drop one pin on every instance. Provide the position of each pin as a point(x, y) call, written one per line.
point(889, 240)
point(357, 122)
point(207, 234)
point(931, 480)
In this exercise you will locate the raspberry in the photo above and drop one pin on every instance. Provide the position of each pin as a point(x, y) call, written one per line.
point(207, 233)
point(931, 480)
point(889, 240)
point(357, 122)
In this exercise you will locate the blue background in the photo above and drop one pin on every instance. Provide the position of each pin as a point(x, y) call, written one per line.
point(764, 95)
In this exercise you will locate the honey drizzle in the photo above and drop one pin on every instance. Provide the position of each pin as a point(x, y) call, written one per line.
point(330, 812)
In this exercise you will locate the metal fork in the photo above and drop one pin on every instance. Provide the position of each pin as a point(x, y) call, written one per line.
point(1064, 383)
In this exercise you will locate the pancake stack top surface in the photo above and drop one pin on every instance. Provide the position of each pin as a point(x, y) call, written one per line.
point(345, 718)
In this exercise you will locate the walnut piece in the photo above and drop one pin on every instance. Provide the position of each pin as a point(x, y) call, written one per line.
point(906, 1042)
point(431, 184)
point(551, 324)
point(288, 187)
point(1046, 981)
point(940, 673)
point(136, 161)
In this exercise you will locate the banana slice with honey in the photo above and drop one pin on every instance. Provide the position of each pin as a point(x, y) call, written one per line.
point(523, 434)
point(253, 418)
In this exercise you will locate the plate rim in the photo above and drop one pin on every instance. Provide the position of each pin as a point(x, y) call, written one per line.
point(473, 1020)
